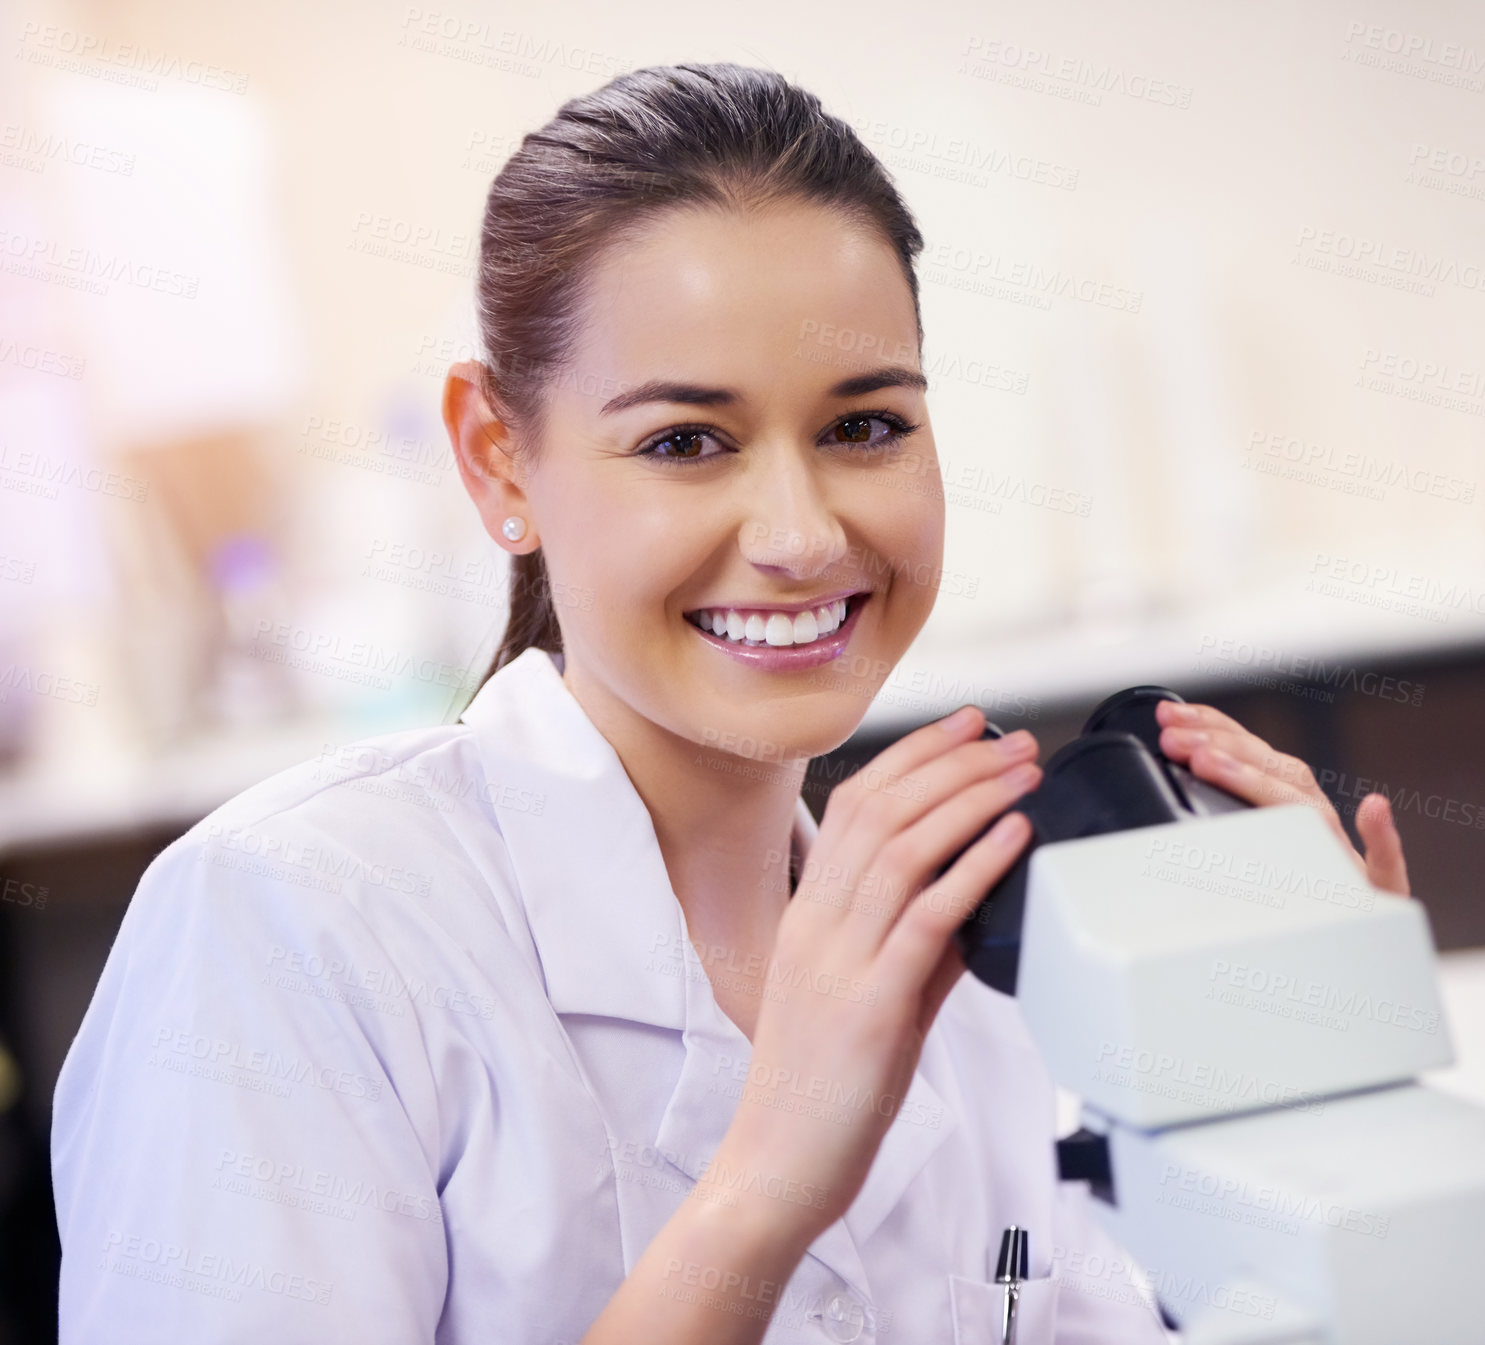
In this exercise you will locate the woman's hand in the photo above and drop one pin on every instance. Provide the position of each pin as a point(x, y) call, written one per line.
point(864, 958)
point(1221, 751)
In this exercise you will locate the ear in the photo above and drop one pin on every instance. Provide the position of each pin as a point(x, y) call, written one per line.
point(482, 447)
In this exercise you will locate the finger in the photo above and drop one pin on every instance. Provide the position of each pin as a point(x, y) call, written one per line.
point(895, 871)
point(925, 744)
point(877, 804)
point(900, 798)
point(914, 946)
point(1179, 744)
point(1185, 715)
point(1219, 746)
point(1246, 766)
point(1385, 867)
point(1270, 778)
point(1262, 789)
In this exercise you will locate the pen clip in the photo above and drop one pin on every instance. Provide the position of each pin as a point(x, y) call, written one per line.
point(1011, 1268)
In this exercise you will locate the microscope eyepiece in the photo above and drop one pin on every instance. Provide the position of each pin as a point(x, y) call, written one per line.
point(1111, 777)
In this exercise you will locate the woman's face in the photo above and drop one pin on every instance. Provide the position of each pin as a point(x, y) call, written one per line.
point(749, 490)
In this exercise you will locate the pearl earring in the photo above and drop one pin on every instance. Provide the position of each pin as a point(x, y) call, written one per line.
point(514, 528)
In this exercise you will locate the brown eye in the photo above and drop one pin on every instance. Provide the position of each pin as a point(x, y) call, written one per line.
point(856, 429)
point(684, 443)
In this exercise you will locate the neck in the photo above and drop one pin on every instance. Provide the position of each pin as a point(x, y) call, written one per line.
point(724, 824)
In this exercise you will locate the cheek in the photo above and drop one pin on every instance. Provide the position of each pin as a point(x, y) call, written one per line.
point(628, 549)
point(908, 536)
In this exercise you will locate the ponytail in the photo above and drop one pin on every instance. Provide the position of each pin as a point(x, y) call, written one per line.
point(532, 623)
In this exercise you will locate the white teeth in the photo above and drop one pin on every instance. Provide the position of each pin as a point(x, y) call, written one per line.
point(779, 629)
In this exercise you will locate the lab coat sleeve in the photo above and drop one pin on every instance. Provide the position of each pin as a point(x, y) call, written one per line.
point(1098, 1300)
point(244, 1145)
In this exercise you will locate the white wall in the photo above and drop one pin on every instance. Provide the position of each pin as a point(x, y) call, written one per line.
point(1139, 220)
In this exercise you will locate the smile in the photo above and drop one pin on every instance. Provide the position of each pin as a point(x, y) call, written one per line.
point(779, 639)
point(764, 626)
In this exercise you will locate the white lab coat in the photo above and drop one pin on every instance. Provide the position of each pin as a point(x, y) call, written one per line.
point(409, 1044)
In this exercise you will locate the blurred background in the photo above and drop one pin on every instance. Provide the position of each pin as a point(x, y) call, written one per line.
point(1204, 293)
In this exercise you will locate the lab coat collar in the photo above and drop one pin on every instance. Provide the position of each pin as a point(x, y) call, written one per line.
point(599, 903)
point(596, 891)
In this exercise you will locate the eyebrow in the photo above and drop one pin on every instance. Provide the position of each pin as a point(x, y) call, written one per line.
point(692, 394)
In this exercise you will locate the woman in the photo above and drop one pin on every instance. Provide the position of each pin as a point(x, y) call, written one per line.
point(535, 1028)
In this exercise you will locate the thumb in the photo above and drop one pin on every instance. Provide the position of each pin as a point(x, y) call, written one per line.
point(1385, 867)
point(945, 977)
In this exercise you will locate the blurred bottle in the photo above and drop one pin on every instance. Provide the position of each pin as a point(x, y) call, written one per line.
point(242, 687)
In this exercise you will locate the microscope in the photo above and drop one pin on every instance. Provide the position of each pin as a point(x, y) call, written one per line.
point(1243, 1018)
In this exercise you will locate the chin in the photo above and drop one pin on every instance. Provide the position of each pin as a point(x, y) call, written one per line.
point(796, 730)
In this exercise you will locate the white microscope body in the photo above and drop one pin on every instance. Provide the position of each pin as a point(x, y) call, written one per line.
point(1244, 1019)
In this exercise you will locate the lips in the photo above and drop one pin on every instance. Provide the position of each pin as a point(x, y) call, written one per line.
point(777, 627)
point(790, 658)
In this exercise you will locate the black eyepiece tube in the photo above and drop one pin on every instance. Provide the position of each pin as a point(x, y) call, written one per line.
point(1112, 777)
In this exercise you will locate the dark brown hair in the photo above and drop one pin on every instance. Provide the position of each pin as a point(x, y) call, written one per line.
point(720, 135)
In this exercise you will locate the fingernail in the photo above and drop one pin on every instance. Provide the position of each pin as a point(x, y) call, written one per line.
point(960, 719)
point(1023, 776)
point(1008, 829)
point(1014, 744)
point(1184, 713)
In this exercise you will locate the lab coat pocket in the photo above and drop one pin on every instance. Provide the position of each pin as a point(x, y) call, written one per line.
point(976, 1306)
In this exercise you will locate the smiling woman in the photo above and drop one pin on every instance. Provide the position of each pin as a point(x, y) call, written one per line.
point(772, 505)
point(586, 1030)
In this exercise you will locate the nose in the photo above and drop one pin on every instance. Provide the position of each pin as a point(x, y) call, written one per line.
point(789, 528)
